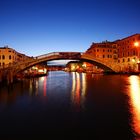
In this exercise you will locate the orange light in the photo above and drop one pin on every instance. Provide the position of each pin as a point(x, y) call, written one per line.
point(135, 102)
point(136, 44)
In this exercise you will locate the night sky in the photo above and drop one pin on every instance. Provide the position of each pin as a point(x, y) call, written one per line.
point(36, 27)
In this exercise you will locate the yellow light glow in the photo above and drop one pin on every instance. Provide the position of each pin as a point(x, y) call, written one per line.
point(73, 67)
point(136, 44)
point(133, 60)
point(42, 79)
point(45, 70)
point(135, 102)
point(83, 84)
point(78, 88)
point(73, 86)
point(41, 70)
point(84, 65)
point(83, 93)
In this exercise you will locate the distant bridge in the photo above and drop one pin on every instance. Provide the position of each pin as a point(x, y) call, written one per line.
point(20, 66)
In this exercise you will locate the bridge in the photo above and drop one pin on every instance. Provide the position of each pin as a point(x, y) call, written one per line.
point(20, 66)
point(10, 71)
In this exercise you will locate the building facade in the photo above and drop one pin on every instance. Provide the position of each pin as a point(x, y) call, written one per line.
point(105, 51)
point(129, 53)
point(9, 56)
point(124, 54)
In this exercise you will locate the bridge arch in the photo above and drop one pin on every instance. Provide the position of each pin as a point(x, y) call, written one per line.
point(61, 56)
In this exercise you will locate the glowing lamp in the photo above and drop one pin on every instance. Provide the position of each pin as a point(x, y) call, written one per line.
point(133, 60)
point(136, 44)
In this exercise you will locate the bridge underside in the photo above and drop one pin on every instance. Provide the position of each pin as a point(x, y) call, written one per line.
point(102, 66)
point(64, 58)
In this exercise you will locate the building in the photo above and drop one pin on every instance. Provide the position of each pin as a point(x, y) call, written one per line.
point(9, 56)
point(129, 53)
point(105, 51)
point(124, 54)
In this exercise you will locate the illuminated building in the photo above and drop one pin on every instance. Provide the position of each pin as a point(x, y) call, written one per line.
point(9, 56)
point(129, 53)
point(124, 53)
point(105, 51)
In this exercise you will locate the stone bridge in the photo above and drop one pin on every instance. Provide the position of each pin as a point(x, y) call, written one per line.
point(20, 66)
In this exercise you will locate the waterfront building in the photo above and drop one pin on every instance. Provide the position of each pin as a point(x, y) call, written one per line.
point(129, 53)
point(104, 51)
point(9, 56)
point(123, 53)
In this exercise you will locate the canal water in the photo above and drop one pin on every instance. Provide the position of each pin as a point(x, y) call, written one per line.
point(76, 105)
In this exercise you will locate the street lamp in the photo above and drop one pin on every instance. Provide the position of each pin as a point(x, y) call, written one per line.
point(136, 44)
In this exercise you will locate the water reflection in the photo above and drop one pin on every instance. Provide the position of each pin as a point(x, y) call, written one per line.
point(135, 102)
point(33, 87)
point(78, 88)
point(45, 86)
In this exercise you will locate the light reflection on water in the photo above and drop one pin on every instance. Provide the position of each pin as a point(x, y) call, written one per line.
point(104, 93)
point(135, 102)
point(78, 88)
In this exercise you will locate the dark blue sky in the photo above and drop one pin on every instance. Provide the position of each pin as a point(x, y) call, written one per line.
point(37, 27)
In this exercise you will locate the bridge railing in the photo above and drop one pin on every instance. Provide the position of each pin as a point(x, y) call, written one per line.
point(58, 54)
point(46, 55)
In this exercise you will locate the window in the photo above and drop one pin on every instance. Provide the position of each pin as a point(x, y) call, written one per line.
point(97, 50)
point(128, 59)
point(0, 56)
point(0, 64)
point(9, 56)
point(103, 50)
point(134, 53)
point(123, 60)
point(103, 56)
point(118, 61)
point(108, 56)
point(128, 53)
point(3, 57)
